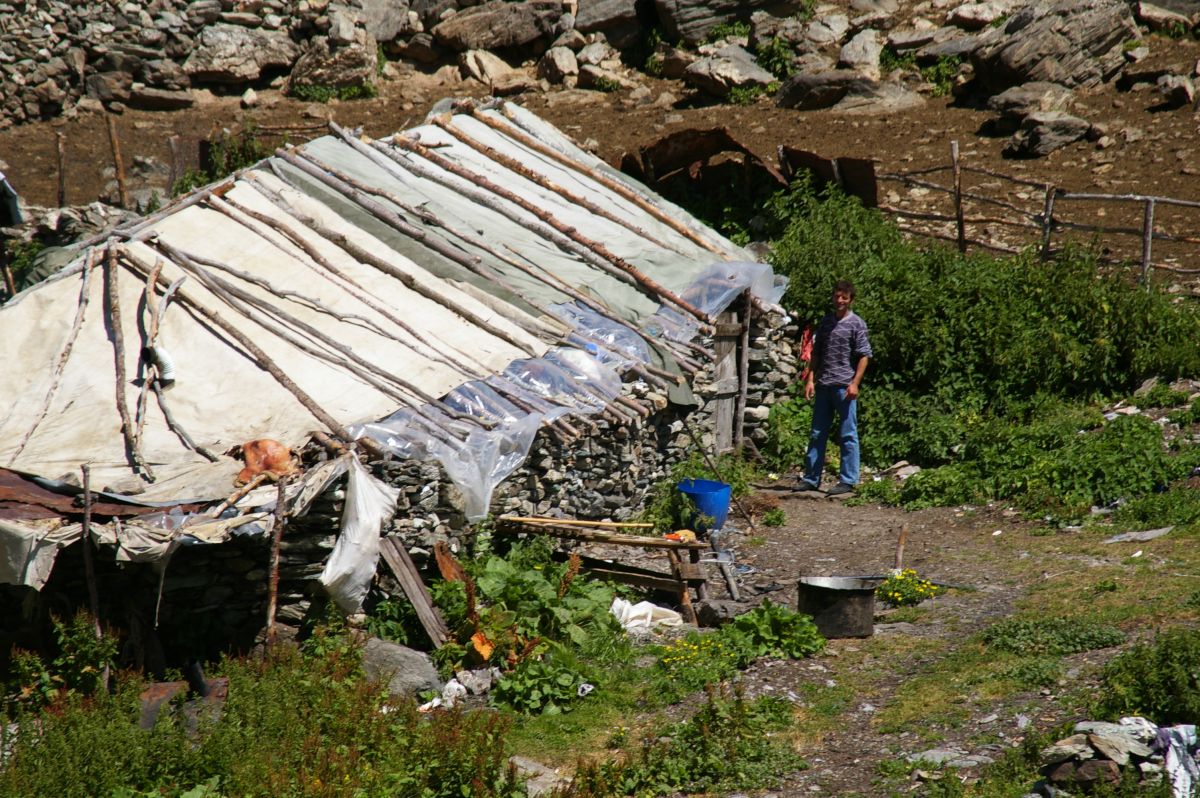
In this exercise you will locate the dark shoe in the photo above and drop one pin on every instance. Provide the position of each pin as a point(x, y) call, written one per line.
point(839, 489)
point(804, 486)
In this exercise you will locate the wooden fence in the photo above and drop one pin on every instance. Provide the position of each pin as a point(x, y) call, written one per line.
point(986, 215)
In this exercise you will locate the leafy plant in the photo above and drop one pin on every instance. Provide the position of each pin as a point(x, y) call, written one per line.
point(606, 84)
point(906, 589)
point(774, 517)
point(1179, 507)
point(76, 669)
point(942, 73)
point(540, 686)
point(777, 56)
point(1160, 395)
point(1160, 680)
point(318, 93)
point(891, 60)
point(1034, 672)
point(1186, 416)
point(1050, 636)
point(748, 95)
point(772, 630)
point(728, 30)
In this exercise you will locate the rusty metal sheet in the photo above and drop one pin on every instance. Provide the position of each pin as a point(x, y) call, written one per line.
point(23, 498)
point(855, 176)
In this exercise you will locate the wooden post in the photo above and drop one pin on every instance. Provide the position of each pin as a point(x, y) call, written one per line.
point(725, 380)
point(739, 432)
point(60, 145)
point(9, 284)
point(118, 163)
point(1047, 220)
point(89, 567)
point(1147, 241)
point(960, 227)
point(276, 540)
point(177, 169)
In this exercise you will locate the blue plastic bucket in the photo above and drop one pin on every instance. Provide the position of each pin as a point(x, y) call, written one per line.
point(711, 499)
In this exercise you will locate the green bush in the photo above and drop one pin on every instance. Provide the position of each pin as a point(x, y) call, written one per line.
point(1179, 507)
point(942, 74)
point(316, 93)
point(1160, 680)
point(777, 57)
point(788, 426)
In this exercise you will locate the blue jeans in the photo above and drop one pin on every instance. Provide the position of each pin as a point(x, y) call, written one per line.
point(827, 400)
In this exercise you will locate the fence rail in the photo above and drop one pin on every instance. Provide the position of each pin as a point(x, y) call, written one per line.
point(1052, 214)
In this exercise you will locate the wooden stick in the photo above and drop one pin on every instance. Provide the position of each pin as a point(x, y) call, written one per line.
point(61, 363)
point(1147, 241)
point(512, 164)
point(60, 146)
point(577, 533)
point(685, 593)
point(547, 218)
point(1047, 220)
point(739, 413)
point(281, 518)
point(10, 284)
point(150, 370)
point(237, 496)
point(89, 567)
point(177, 170)
point(348, 284)
point(387, 268)
point(541, 519)
point(625, 192)
point(958, 208)
point(899, 561)
point(418, 595)
point(118, 162)
point(113, 300)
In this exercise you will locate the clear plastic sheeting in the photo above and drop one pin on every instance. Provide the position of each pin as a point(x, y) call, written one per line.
point(351, 566)
point(713, 290)
point(552, 382)
point(614, 336)
point(587, 369)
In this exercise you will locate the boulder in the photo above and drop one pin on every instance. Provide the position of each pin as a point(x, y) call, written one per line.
point(596, 54)
point(861, 54)
point(732, 67)
point(324, 64)
point(976, 16)
point(163, 74)
point(1014, 104)
point(1157, 18)
point(1043, 132)
point(764, 27)
point(232, 54)
point(484, 66)
point(879, 100)
point(406, 672)
point(388, 20)
point(616, 19)
point(676, 61)
point(422, 49)
point(498, 24)
point(431, 12)
point(601, 79)
point(203, 12)
point(154, 99)
point(557, 64)
point(691, 20)
point(1077, 44)
point(108, 87)
point(806, 92)
point(1178, 90)
point(829, 29)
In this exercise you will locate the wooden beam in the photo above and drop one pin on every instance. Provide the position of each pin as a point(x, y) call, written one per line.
point(406, 573)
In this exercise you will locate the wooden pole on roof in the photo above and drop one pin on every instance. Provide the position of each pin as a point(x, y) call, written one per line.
point(524, 171)
point(600, 249)
point(113, 302)
point(608, 182)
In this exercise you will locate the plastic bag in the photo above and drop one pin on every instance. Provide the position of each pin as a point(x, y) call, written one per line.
point(351, 566)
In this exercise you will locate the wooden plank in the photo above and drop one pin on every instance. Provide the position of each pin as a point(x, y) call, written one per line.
point(406, 573)
point(572, 533)
point(685, 594)
point(725, 371)
point(743, 389)
point(542, 519)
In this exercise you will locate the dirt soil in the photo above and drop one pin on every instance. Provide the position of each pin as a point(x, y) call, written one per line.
point(1155, 151)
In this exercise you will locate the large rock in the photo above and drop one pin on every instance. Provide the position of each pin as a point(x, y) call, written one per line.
point(616, 19)
point(862, 53)
point(557, 64)
point(233, 54)
point(154, 99)
point(691, 20)
point(879, 99)
point(1178, 90)
point(729, 68)
point(388, 20)
point(1014, 104)
point(323, 64)
point(807, 92)
point(1043, 132)
point(407, 672)
point(828, 29)
point(497, 25)
point(764, 27)
point(1077, 44)
point(484, 67)
point(1155, 17)
point(976, 16)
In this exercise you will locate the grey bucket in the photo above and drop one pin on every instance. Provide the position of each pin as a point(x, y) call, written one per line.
point(841, 606)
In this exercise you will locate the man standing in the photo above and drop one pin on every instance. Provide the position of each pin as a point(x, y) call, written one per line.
point(841, 351)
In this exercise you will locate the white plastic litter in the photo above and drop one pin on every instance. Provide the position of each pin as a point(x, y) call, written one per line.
point(643, 615)
point(351, 566)
point(1180, 744)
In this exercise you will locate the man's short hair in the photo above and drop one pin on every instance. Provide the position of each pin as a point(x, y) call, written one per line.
point(844, 287)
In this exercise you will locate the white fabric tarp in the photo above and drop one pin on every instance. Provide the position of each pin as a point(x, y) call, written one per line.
point(351, 566)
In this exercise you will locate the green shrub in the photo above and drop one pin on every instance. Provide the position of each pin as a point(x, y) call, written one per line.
point(77, 667)
point(1050, 636)
point(890, 60)
point(1160, 680)
point(1186, 416)
point(906, 589)
point(316, 93)
point(1034, 672)
point(772, 630)
point(777, 57)
point(1160, 395)
point(728, 30)
point(1179, 507)
point(942, 74)
point(788, 426)
point(774, 517)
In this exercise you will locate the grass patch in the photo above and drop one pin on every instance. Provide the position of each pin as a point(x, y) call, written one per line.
point(316, 93)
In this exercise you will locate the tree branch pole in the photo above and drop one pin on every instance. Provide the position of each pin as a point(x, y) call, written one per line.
point(349, 285)
point(89, 566)
point(1147, 241)
point(547, 218)
point(394, 220)
point(446, 123)
point(60, 147)
point(281, 519)
point(113, 300)
point(618, 188)
point(118, 162)
point(739, 412)
point(959, 227)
